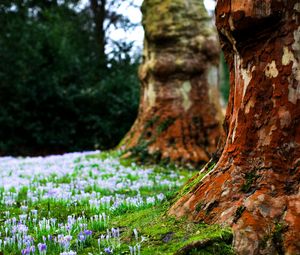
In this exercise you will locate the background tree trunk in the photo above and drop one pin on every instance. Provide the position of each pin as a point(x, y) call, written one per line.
point(179, 114)
point(99, 15)
point(254, 187)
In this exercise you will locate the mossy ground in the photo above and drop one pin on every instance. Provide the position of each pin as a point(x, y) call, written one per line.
point(158, 232)
point(166, 235)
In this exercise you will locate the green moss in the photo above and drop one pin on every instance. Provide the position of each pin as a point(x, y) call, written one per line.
point(140, 151)
point(250, 178)
point(196, 179)
point(219, 247)
point(151, 122)
point(191, 184)
point(164, 125)
point(277, 238)
point(211, 165)
point(199, 206)
point(155, 225)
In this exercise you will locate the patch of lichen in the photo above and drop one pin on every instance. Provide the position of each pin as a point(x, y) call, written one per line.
point(172, 18)
point(166, 235)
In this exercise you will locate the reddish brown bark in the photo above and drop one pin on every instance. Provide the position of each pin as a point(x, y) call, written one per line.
point(254, 187)
point(179, 114)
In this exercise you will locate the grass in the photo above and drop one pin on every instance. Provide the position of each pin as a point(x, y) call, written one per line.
point(97, 204)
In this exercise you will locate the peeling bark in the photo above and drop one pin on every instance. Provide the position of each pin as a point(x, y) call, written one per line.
point(179, 114)
point(254, 187)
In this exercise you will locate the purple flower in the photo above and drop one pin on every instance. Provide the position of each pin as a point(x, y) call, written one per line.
point(108, 250)
point(42, 247)
point(115, 232)
point(68, 253)
point(88, 232)
point(26, 251)
point(65, 241)
point(68, 238)
point(81, 237)
point(68, 227)
point(32, 249)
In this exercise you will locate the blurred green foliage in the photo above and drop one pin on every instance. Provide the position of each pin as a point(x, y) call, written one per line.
point(55, 94)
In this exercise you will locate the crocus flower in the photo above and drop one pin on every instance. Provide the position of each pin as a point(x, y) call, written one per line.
point(87, 232)
point(26, 251)
point(81, 237)
point(68, 253)
point(32, 249)
point(42, 248)
point(108, 250)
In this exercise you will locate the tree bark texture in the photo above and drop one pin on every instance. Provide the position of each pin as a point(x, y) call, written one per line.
point(179, 115)
point(254, 187)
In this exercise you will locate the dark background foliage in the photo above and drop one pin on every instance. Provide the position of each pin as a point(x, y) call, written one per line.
point(56, 93)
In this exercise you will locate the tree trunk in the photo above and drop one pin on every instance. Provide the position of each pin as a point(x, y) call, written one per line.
point(179, 114)
point(99, 14)
point(254, 187)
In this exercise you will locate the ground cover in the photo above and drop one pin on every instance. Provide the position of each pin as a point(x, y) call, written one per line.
point(96, 203)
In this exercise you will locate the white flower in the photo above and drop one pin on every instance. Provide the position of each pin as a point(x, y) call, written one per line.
point(136, 235)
